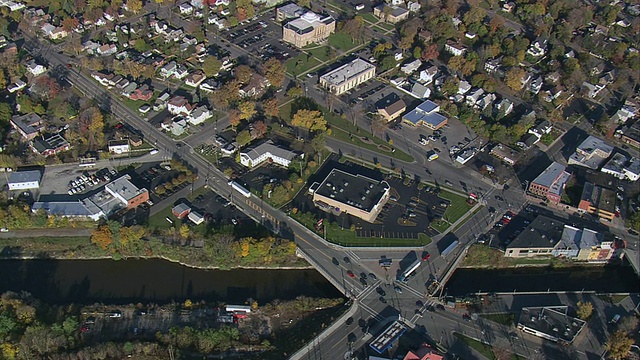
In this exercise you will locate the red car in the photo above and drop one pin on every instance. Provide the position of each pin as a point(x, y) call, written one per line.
point(426, 256)
point(350, 273)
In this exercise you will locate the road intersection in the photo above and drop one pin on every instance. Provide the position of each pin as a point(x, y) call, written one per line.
point(328, 258)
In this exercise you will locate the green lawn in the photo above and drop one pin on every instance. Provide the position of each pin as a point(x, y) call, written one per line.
point(319, 52)
point(483, 349)
point(341, 41)
point(457, 208)
point(301, 64)
point(504, 318)
point(386, 26)
point(484, 256)
point(347, 237)
point(370, 18)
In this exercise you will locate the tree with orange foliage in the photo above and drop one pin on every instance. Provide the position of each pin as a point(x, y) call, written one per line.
point(101, 236)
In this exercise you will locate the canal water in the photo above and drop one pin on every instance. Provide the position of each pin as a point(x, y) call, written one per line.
point(605, 279)
point(154, 280)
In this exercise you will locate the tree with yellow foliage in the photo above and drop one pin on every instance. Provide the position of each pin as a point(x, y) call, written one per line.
point(101, 236)
point(184, 231)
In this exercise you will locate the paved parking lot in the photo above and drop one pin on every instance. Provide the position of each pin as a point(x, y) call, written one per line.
point(263, 39)
point(257, 178)
point(56, 181)
point(218, 210)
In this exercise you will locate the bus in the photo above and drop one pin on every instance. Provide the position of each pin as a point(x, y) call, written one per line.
point(405, 275)
point(239, 188)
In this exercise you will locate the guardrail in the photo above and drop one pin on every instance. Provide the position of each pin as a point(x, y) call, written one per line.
point(324, 272)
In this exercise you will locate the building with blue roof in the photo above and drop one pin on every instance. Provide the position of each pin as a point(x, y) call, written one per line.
point(426, 114)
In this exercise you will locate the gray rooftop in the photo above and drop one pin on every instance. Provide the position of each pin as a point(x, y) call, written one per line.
point(549, 175)
point(543, 232)
point(425, 112)
point(352, 189)
point(124, 188)
point(24, 176)
point(551, 321)
point(66, 208)
point(574, 238)
point(291, 10)
point(269, 147)
point(591, 153)
point(599, 197)
point(28, 123)
point(347, 72)
point(616, 163)
point(307, 22)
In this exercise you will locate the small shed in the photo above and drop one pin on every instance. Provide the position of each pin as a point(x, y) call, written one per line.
point(181, 210)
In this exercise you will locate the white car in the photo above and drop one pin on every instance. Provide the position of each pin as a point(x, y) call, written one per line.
point(153, 152)
point(423, 141)
point(359, 7)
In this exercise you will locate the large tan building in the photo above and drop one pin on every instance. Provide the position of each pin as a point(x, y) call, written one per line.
point(347, 76)
point(353, 194)
point(308, 29)
point(598, 201)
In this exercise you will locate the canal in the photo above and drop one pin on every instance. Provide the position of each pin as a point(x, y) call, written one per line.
point(604, 279)
point(155, 280)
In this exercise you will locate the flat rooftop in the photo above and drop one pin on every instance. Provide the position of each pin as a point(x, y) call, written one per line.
point(551, 321)
point(543, 232)
point(307, 22)
point(591, 153)
point(549, 175)
point(347, 72)
point(383, 341)
point(123, 187)
point(352, 189)
point(616, 163)
point(599, 197)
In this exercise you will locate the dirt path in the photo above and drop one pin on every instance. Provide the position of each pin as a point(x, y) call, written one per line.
point(60, 232)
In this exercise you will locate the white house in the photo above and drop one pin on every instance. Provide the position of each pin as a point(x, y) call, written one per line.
point(632, 171)
point(195, 217)
point(47, 29)
point(119, 146)
point(179, 105)
point(463, 87)
point(267, 151)
point(473, 97)
point(411, 67)
point(35, 69)
point(592, 90)
point(23, 180)
point(185, 9)
point(199, 115)
point(178, 126)
point(181, 72)
point(455, 48)
point(168, 69)
point(505, 105)
point(427, 75)
point(16, 86)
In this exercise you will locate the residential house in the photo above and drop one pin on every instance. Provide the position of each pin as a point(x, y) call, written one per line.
point(267, 151)
point(427, 75)
point(107, 49)
point(508, 6)
point(550, 183)
point(538, 239)
point(425, 36)
point(420, 91)
point(256, 87)
point(179, 105)
point(474, 96)
point(143, 93)
point(128, 89)
point(591, 153)
point(34, 68)
point(536, 85)
point(553, 93)
point(178, 126)
point(185, 9)
point(181, 72)
point(168, 69)
point(119, 146)
point(13, 6)
point(391, 14)
point(464, 87)
point(199, 115)
point(28, 125)
point(486, 101)
point(538, 47)
point(598, 201)
point(411, 67)
point(103, 79)
point(195, 217)
point(390, 107)
point(504, 107)
point(541, 128)
point(592, 90)
point(209, 85)
point(491, 66)
point(161, 101)
point(426, 114)
point(628, 111)
point(424, 352)
point(58, 33)
point(16, 86)
point(195, 78)
point(413, 6)
point(455, 48)
point(50, 146)
point(47, 29)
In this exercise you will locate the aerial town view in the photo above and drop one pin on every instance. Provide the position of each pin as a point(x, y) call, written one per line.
point(320, 180)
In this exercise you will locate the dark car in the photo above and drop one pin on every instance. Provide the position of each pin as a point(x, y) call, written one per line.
point(335, 261)
point(466, 317)
point(350, 273)
point(382, 300)
point(373, 276)
point(381, 291)
point(350, 321)
point(346, 259)
point(426, 256)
